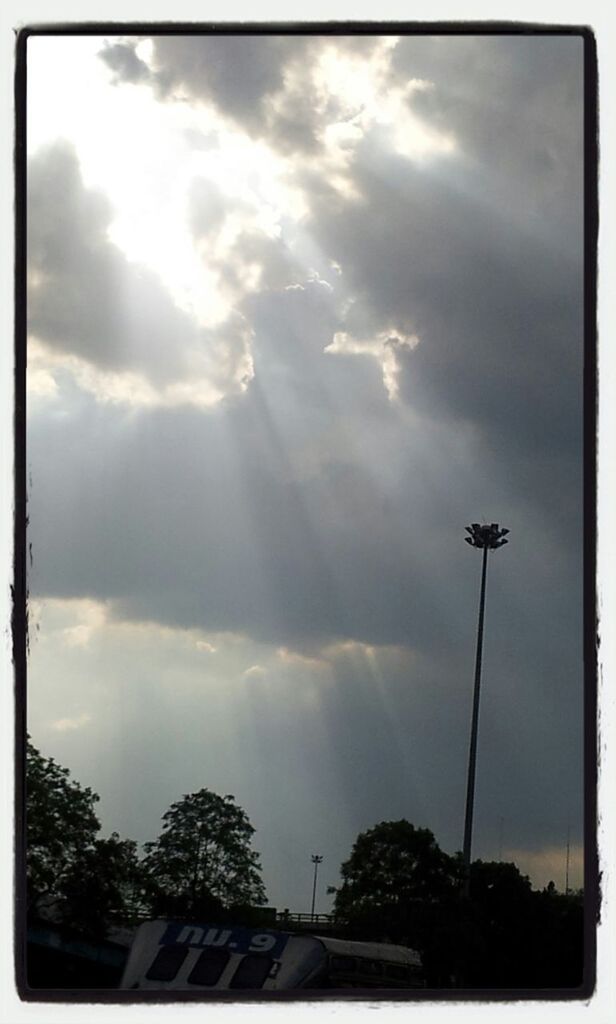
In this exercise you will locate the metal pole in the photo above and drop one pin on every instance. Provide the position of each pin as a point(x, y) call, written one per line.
point(316, 860)
point(472, 757)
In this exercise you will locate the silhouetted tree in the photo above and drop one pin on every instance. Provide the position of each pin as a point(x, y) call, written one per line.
point(399, 886)
point(61, 825)
point(557, 939)
point(395, 873)
point(106, 883)
point(203, 861)
point(88, 881)
point(499, 888)
point(532, 939)
point(392, 863)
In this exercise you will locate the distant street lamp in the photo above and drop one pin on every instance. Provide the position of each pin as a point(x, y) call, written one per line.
point(316, 860)
point(488, 538)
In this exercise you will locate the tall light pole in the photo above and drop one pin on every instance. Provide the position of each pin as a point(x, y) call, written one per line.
point(486, 538)
point(316, 860)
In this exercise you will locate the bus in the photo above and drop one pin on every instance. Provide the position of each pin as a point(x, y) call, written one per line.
point(171, 956)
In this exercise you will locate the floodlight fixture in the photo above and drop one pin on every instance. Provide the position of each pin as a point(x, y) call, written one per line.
point(485, 536)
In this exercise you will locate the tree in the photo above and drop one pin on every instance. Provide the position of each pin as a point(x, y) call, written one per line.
point(499, 887)
point(531, 939)
point(202, 861)
point(105, 884)
point(392, 865)
point(89, 881)
point(399, 886)
point(557, 939)
point(60, 825)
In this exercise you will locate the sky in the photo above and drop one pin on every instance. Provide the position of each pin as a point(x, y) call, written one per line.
point(300, 309)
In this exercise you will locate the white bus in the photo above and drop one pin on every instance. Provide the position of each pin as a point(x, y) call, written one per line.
point(170, 955)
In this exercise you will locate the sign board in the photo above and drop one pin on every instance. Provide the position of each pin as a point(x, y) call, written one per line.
point(236, 939)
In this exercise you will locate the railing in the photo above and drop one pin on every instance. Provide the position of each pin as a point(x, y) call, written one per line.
point(278, 918)
point(308, 921)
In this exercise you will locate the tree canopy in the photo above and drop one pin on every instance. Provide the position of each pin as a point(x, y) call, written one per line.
point(61, 825)
point(391, 864)
point(89, 881)
point(397, 885)
point(202, 864)
point(203, 856)
point(106, 883)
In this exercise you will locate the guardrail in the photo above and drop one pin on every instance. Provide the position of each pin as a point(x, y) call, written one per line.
point(308, 921)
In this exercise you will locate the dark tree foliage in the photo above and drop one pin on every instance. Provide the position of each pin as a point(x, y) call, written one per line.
point(394, 864)
point(533, 939)
point(60, 825)
point(399, 886)
point(106, 884)
point(84, 881)
point(557, 939)
point(203, 862)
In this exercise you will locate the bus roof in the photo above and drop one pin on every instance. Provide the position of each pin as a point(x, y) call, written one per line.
point(374, 950)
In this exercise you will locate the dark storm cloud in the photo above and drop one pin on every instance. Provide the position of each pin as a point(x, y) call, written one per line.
point(123, 60)
point(516, 105)
point(484, 264)
point(498, 314)
point(207, 69)
point(301, 511)
point(273, 96)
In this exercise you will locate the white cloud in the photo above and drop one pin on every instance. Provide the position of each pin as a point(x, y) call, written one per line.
point(69, 724)
point(297, 659)
point(254, 672)
point(384, 347)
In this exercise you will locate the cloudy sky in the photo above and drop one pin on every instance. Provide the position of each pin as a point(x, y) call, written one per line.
point(300, 309)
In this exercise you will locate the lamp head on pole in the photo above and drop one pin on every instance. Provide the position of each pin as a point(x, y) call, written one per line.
point(487, 536)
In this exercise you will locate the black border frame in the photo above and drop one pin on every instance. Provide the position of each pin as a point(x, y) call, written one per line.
point(19, 588)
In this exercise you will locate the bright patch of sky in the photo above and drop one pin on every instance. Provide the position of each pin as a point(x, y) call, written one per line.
point(367, 99)
point(142, 154)
point(146, 155)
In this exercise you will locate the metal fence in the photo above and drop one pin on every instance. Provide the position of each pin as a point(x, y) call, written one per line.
point(308, 921)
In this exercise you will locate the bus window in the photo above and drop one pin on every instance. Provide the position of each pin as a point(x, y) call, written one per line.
point(209, 967)
point(251, 971)
point(343, 964)
point(397, 972)
point(373, 968)
point(166, 963)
